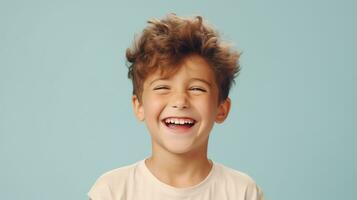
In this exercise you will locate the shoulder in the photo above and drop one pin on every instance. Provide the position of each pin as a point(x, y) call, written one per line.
point(115, 178)
point(239, 181)
point(231, 174)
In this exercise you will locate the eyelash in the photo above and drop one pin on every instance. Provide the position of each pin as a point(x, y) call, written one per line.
point(198, 89)
point(192, 88)
point(161, 87)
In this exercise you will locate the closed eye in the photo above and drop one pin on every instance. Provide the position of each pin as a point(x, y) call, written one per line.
point(161, 87)
point(198, 89)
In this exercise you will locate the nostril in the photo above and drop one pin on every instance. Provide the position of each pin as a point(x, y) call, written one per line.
point(179, 106)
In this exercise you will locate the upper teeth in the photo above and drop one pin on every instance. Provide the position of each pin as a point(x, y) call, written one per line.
point(179, 121)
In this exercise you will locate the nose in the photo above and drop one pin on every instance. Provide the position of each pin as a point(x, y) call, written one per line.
point(179, 101)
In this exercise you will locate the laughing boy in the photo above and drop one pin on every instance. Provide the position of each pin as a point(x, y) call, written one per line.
point(181, 73)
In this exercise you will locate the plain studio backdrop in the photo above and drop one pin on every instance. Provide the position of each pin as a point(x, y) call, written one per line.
point(65, 107)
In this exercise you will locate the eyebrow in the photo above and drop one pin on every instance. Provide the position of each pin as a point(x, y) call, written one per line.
point(157, 79)
point(202, 80)
point(192, 79)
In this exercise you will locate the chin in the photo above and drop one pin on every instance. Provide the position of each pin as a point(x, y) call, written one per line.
point(182, 149)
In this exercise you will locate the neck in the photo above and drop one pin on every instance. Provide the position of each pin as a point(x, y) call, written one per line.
point(179, 170)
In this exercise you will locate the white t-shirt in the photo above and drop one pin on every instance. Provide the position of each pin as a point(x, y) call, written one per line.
point(136, 182)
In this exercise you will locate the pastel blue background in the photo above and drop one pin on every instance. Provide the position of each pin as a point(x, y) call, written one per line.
point(65, 111)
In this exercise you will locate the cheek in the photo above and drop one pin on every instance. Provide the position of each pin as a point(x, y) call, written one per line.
point(153, 106)
point(207, 108)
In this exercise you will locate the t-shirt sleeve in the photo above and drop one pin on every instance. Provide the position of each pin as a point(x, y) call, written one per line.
point(100, 190)
point(253, 192)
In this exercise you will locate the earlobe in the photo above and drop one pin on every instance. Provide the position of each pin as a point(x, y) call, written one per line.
point(138, 108)
point(223, 110)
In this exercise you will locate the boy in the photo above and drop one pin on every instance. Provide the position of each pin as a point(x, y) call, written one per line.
point(181, 74)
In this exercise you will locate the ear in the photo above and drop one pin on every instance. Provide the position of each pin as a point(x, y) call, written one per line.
point(223, 110)
point(138, 108)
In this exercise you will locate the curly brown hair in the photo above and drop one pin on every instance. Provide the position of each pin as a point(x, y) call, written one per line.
point(164, 43)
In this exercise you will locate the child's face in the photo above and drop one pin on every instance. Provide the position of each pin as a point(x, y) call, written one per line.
point(180, 111)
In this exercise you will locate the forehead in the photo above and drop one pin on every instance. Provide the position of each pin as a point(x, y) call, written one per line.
point(192, 66)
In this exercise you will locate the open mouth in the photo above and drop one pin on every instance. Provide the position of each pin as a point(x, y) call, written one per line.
point(179, 123)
